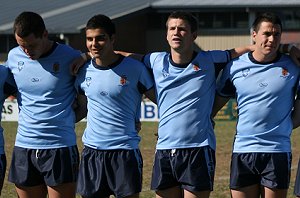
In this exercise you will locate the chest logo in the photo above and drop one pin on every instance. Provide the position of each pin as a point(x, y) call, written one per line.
point(123, 80)
point(196, 68)
point(20, 65)
point(245, 72)
point(284, 73)
point(88, 81)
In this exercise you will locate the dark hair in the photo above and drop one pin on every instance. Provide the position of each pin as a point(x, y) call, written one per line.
point(27, 23)
point(103, 22)
point(192, 20)
point(266, 17)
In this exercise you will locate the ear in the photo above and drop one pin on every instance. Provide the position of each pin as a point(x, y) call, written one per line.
point(45, 34)
point(254, 36)
point(194, 35)
point(113, 38)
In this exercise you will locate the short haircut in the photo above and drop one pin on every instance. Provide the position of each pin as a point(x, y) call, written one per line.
point(27, 23)
point(266, 17)
point(186, 16)
point(101, 21)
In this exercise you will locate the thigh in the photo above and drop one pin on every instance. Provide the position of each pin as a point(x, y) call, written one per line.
point(243, 172)
point(274, 193)
point(252, 191)
point(174, 192)
point(195, 169)
point(22, 171)
point(92, 180)
point(39, 191)
point(276, 170)
point(126, 164)
point(162, 172)
point(66, 190)
point(59, 166)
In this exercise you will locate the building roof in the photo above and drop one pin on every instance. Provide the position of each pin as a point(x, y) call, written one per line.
point(67, 16)
point(223, 3)
point(70, 16)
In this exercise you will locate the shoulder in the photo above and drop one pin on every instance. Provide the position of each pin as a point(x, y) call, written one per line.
point(66, 49)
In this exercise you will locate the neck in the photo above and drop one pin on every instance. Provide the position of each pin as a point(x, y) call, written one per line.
point(107, 60)
point(263, 58)
point(182, 57)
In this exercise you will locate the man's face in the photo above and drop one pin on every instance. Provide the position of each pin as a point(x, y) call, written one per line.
point(267, 38)
point(33, 46)
point(179, 35)
point(98, 42)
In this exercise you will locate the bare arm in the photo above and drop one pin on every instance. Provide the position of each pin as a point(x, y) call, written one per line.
point(78, 62)
point(238, 51)
point(219, 102)
point(138, 57)
point(151, 95)
point(296, 114)
point(80, 107)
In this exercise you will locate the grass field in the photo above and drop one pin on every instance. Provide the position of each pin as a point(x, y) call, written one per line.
point(224, 132)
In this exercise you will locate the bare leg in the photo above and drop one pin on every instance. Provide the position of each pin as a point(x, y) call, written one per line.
point(32, 192)
point(66, 190)
point(246, 192)
point(200, 194)
point(174, 192)
point(274, 193)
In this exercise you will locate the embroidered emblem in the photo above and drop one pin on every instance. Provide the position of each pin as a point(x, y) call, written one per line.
point(20, 65)
point(284, 73)
point(196, 67)
point(123, 80)
point(245, 72)
point(88, 81)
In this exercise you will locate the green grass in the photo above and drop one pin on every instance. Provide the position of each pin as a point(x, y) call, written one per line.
point(224, 132)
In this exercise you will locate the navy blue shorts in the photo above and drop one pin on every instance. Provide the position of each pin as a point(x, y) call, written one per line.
point(2, 170)
point(297, 182)
point(52, 167)
point(271, 170)
point(110, 172)
point(192, 169)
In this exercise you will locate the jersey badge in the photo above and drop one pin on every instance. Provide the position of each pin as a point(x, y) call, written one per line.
point(284, 73)
point(55, 67)
point(88, 81)
point(20, 65)
point(123, 80)
point(245, 72)
point(196, 68)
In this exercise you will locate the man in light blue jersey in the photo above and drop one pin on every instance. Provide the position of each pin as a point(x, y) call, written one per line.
point(5, 90)
point(45, 157)
point(112, 85)
point(264, 83)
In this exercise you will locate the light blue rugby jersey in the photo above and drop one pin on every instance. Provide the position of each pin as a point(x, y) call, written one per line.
point(46, 93)
point(185, 96)
point(265, 96)
point(114, 97)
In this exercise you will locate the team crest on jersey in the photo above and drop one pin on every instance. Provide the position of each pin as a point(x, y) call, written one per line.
point(165, 73)
point(20, 65)
point(123, 80)
point(196, 68)
point(55, 67)
point(284, 73)
point(88, 81)
point(245, 72)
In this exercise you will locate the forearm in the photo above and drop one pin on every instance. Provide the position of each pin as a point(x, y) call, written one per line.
point(238, 51)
